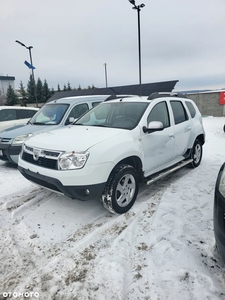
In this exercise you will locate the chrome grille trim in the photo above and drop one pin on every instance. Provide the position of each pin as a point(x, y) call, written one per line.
point(42, 152)
point(41, 157)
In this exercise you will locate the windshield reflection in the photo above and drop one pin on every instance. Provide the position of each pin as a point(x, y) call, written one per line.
point(124, 115)
point(49, 114)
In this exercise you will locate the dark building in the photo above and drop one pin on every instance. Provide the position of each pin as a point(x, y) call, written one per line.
point(147, 89)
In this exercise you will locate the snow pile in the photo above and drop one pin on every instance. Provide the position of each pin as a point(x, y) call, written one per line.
point(53, 247)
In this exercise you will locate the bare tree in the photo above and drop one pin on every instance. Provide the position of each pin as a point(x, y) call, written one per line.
point(2, 98)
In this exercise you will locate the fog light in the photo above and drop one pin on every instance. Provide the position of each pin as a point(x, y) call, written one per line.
point(87, 192)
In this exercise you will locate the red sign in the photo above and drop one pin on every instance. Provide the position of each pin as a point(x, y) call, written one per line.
point(222, 97)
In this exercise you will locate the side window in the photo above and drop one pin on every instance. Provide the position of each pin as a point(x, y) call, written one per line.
point(191, 108)
point(25, 113)
point(7, 115)
point(159, 113)
point(77, 111)
point(179, 112)
point(95, 104)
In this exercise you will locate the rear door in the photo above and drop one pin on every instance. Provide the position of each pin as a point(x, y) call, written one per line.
point(182, 128)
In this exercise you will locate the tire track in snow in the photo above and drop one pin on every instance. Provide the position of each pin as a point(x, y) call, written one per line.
point(90, 249)
point(94, 242)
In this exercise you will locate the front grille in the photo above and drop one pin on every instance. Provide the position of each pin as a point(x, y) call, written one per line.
point(42, 161)
point(5, 140)
point(51, 154)
point(29, 149)
point(41, 157)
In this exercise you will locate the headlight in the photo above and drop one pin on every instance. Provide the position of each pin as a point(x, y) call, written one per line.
point(21, 138)
point(222, 181)
point(72, 160)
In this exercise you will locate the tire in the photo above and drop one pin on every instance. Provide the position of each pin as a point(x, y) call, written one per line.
point(121, 189)
point(196, 154)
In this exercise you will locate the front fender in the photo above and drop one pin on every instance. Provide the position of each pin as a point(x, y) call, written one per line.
point(116, 149)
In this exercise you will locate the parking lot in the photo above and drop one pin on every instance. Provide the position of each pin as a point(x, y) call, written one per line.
point(53, 247)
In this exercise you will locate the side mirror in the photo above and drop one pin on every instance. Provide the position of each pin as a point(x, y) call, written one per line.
point(71, 120)
point(153, 126)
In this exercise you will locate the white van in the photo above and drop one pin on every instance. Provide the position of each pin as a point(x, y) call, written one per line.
point(11, 116)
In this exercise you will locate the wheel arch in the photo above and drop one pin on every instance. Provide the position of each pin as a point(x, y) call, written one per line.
point(135, 162)
point(201, 138)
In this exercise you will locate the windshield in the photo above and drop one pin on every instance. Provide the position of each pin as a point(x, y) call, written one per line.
point(124, 115)
point(49, 114)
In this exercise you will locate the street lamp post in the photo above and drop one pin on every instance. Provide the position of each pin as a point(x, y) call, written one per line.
point(106, 82)
point(138, 8)
point(31, 62)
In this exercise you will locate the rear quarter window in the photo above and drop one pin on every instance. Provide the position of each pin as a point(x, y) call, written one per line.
point(95, 104)
point(191, 108)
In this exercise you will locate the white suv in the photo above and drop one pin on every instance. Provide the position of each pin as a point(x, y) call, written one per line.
point(114, 147)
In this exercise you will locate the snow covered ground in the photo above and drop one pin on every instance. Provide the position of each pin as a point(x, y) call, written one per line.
point(53, 247)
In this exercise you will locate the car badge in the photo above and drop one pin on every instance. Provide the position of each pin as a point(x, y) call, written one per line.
point(36, 154)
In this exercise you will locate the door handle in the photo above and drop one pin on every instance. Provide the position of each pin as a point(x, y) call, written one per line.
point(171, 135)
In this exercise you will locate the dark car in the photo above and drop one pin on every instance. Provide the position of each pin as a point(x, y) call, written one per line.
point(219, 212)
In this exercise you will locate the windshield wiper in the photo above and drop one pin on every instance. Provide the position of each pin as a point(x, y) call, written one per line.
point(99, 125)
point(38, 123)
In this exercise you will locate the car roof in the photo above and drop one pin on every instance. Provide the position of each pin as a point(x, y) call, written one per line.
point(77, 99)
point(149, 99)
point(18, 107)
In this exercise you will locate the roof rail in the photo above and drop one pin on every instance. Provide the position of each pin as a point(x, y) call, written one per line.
point(165, 94)
point(114, 97)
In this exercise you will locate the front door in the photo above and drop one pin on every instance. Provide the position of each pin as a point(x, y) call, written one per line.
point(158, 146)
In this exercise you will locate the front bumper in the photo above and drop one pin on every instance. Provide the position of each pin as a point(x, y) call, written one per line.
point(10, 153)
point(219, 216)
point(82, 192)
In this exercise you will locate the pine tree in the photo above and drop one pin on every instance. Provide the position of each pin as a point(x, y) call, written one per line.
point(24, 98)
point(64, 88)
point(40, 91)
point(59, 88)
point(2, 98)
point(11, 97)
point(46, 91)
point(30, 90)
point(68, 86)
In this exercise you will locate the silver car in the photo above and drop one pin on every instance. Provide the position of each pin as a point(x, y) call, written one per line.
point(52, 115)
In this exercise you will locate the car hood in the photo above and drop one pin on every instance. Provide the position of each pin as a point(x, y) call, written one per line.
point(25, 129)
point(73, 138)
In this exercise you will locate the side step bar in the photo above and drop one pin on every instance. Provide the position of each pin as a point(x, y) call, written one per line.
point(167, 172)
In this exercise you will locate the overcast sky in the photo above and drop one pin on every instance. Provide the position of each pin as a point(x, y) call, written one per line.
point(72, 40)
